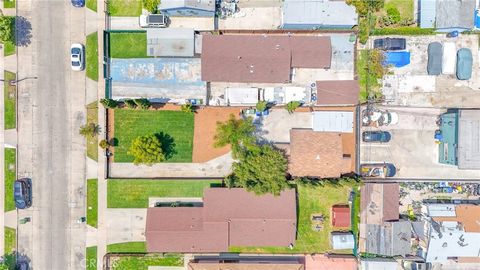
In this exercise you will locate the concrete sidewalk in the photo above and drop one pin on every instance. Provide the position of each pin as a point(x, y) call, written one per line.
point(219, 167)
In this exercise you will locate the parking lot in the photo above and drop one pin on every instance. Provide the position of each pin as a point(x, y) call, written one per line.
point(412, 86)
point(412, 148)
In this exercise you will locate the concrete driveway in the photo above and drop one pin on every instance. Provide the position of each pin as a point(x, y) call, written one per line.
point(412, 148)
point(277, 125)
point(125, 225)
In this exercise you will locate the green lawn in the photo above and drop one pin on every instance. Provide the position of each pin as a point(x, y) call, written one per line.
point(92, 142)
point(8, 3)
point(91, 261)
point(128, 45)
point(368, 81)
point(128, 247)
point(356, 215)
point(92, 4)
point(175, 129)
point(10, 240)
point(404, 6)
point(10, 93)
point(8, 48)
point(126, 8)
point(92, 202)
point(134, 193)
point(142, 263)
point(311, 200)
point(10, 176)
point(92, 56)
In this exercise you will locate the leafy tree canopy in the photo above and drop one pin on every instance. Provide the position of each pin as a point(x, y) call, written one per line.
point(236, 132)
point(146, 150)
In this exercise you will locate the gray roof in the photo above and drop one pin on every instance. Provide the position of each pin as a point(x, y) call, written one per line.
point(170, 42)
point(342, 240)
point(319, 13)
point(455, 14)
point(208, 5)
point(378, 264)
point(428, 13)
point(389, 239)
point(468, 152)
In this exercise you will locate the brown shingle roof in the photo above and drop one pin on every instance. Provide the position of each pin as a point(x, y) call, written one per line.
point(337, 92)
point(341, 216)
point(467, 214)
point(317, 154)
point(229, 217)
point(261, 58)
point(379, 203)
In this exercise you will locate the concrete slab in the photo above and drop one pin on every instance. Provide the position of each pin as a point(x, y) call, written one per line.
point(125, 225)
point(11, 219)
point(277, 125)
point(91, 91)
point(10, 138)
point(125, 23)
point(196, 23)
point(91, 22)
point(219, 167)
point(253, 18)
point(92, 169)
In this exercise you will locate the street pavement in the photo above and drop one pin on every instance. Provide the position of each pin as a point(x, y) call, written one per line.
point(50, 150)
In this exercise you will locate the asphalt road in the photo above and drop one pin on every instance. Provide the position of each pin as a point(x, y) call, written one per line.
point(50, 150)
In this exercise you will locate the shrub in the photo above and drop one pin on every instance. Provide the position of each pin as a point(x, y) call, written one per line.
point(151, 5)
point(188, 108)
point(109, 103)
point(130, 103)
point(405, 30)
point(103, 144)
point(292, 106)
point(91, 130)
point(142, 103)
point(7, 28)
point(394, 15)
point(146, 150)
point(261, 106)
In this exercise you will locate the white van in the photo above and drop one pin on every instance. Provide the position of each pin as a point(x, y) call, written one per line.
point(449, 58)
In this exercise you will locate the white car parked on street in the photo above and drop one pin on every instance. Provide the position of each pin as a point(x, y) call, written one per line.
point(77, 57)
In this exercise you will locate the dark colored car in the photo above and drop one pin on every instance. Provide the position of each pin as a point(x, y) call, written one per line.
point(376, 136)
point(380, 170)
point(464, 64)
point(22, 265)
point(390, 44)
point(435, 55)
point(22, 193)
point(78, 3)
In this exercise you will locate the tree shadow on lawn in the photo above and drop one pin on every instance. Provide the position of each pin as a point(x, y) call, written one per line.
point(168, 144)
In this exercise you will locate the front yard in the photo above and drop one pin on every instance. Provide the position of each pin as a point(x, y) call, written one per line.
point(128, 45)
point(312, 200)
point(10, 175)
point(143, 262)
point(127, 247)
point(92, 142)
point(92, 56)
point(91, 261)
point(10, 240)
point(92, 202)
point(125, 8)
point(174, 129)
point(134, 193)
point(10, 100)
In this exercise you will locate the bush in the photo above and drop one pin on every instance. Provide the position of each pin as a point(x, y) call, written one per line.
point(292, 106)
point(103, 144)
point(151, 5)
point(188, 108)
point(130, 103)
point(146, 150)
point(394, 15)
point(142, 103)
point(109, 103)
point(261, 106)
point(405, 31)
point(91, 130)
point(7, 28)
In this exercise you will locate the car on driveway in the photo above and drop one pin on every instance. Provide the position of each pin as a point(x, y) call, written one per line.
point(464, 64)
point(376, 136)
point(390, 44)
point(380, 170)
point(435, 54)
point(22, 193)
point(77, 57)
point(78, 3)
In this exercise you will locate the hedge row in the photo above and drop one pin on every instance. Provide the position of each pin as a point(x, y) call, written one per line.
point(407, 30)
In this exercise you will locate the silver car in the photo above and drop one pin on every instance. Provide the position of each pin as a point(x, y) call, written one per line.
point(77, 57)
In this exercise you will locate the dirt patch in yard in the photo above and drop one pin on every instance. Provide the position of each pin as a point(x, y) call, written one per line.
point(204, 132)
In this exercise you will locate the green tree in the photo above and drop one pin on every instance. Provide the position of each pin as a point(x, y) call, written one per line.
point(90, 130)
point(146, 150)
point(109, 103)
point(142, 103)
point(151, 5)
point(4, 266)
point(7, 28)
point(235, 132)
point(130, 103)
point(292, 106)
point(261, 105)
point(394, 15)
point(262, 170)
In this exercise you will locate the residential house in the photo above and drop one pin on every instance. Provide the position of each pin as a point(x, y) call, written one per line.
point(330, 261)
point(261, 58)
point(453, 233)
point(314, 14)
point(447, 15)
point(378, 264)
point(337, 93)
point(228, 217)
point(188, 8)
point(392, 238)
point(379, 203)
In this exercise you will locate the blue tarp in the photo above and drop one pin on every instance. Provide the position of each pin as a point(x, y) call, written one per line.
point(477, 19)
point(397, 59)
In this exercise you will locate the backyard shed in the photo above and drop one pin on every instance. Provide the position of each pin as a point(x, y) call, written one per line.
point(188, 8)
point(171, 42)
point(340, 216)
point(342, 240)
point(333, 121)
point(308, 14)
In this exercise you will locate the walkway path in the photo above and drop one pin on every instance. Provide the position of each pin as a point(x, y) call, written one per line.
point(125, 225)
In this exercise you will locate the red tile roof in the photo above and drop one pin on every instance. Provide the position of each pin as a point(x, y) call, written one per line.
point(317, 154)
point(340, 216)
point(337, 92)
point(229, 217)
point(261, 58)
